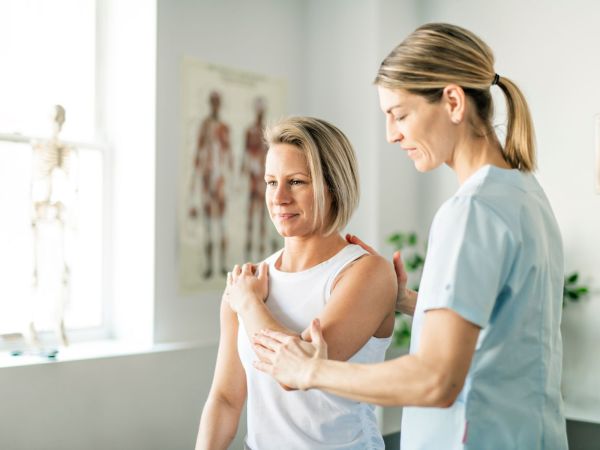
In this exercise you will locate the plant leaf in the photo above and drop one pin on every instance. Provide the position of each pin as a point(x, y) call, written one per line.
point(412, 239)
point(572, 278)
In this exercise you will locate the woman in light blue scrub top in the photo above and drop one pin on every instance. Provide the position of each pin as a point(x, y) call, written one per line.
point(484, 367)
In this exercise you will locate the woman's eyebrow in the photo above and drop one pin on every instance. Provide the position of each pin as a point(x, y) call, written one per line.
point(289, 174)
point(389, 110)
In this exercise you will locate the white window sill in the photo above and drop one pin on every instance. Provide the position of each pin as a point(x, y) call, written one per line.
point(90, 350)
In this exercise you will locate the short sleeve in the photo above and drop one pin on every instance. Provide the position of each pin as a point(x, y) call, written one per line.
point(468, 255)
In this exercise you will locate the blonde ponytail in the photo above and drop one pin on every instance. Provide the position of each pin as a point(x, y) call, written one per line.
point(519, 148)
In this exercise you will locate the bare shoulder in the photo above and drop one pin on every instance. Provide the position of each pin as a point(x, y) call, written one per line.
point(363, 298)
point(370, 266)
point(369, 270)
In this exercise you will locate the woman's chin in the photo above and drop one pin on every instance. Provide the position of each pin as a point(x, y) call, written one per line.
point(425, 166)
point(293, 233)
point(284, 232)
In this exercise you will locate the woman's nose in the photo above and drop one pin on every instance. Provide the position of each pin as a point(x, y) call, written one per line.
point(392, 133)
point(281, 194)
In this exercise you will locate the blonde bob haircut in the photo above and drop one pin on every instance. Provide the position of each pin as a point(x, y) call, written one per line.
point(331, 164)
point(438, 54)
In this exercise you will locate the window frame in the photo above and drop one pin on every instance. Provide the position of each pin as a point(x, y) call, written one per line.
point(106, 328)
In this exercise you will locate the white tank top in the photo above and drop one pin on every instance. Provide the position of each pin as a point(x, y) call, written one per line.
point(301, 420)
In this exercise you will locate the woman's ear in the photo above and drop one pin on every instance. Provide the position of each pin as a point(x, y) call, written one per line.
point(455, 102)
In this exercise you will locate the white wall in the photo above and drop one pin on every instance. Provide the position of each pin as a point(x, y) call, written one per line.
point(146, 402)
point(551, 50)
point(347, 39)
point(399, 185)
point(341, 42)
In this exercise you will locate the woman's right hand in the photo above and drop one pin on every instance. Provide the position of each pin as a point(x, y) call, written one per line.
point(245, 284)
point(405, 301)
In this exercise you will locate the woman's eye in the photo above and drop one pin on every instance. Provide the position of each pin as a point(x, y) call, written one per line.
point(296, 182)
point(399, 118)
point(270, 183)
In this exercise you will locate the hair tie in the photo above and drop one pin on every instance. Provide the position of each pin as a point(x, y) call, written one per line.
point(496, 79)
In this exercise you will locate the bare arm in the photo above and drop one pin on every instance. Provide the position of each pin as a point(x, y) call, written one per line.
point(434, 376)
point(223, 407)
point(406, 300)
point(361, 305)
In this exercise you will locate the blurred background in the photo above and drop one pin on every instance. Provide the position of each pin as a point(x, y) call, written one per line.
point(141, 354)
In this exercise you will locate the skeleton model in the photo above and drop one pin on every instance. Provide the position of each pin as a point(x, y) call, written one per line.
point(213, 159)
point(53, 188)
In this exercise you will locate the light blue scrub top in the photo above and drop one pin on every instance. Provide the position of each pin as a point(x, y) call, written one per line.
point(495, 257)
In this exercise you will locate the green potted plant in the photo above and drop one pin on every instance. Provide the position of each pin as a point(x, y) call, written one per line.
point(571, 290)
point(413, 263)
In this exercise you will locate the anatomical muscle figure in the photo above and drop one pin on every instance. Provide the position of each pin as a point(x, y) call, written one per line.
point(213, 160)
point(253, 167)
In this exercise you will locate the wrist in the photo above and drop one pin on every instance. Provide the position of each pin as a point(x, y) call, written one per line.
point(249, 302)
point(406, 303)
point(312, 374)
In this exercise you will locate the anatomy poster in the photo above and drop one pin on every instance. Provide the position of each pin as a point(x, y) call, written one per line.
point(222, 215)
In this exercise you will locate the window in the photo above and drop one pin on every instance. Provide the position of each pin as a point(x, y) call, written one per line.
point(48, 51)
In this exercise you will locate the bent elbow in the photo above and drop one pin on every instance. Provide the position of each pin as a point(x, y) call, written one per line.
point(447, 401)
point(444, 391)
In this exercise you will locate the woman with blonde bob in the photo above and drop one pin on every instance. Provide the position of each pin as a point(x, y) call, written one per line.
point(484, 367)
point(311, 191)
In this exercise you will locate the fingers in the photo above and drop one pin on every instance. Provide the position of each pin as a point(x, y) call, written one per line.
point(263, 366)
point(355, 240)
point(229, 278)
point(248, 269)
point(263, 271)
point(275, 335)
point(263, 353)
point(235, 273)
point(268, 341)
point(399, 267)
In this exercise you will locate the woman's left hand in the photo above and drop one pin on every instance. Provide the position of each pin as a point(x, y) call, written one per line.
point(247, 284)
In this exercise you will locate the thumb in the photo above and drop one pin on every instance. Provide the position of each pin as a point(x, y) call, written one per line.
point(316, 333)
point(306, 334)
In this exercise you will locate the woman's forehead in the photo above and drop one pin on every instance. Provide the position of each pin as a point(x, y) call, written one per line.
point(286, 157)
point(390, 99)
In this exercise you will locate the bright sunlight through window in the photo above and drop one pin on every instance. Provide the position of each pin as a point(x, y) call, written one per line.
point(51, 227)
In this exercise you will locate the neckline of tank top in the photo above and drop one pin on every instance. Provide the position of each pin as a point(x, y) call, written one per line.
point(273, 269)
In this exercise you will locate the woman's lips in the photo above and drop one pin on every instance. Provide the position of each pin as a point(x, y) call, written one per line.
point(286, 216)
